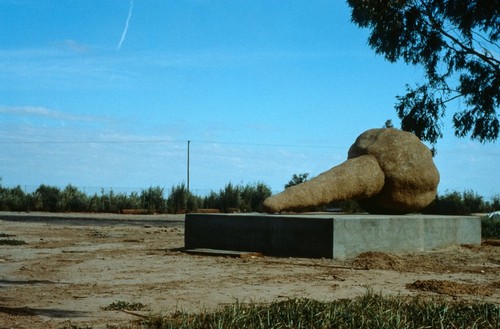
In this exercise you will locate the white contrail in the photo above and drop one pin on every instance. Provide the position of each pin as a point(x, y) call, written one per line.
point(124, 33)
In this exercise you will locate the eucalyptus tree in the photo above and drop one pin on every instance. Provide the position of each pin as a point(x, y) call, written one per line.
point(456, 43)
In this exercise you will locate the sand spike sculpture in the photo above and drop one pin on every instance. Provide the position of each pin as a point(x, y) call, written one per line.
point(388, 171)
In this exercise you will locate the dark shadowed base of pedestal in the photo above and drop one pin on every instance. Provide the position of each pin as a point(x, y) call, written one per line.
point(327, 236)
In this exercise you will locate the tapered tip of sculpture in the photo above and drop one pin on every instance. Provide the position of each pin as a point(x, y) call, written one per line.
point(388, 171)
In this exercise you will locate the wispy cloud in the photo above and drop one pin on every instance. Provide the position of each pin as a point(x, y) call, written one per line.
point(70, 57)
point(43, 112)
point(62, 66)
point(75, 46)
point(125, 29)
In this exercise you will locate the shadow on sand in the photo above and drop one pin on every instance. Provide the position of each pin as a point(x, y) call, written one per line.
point(48, 312)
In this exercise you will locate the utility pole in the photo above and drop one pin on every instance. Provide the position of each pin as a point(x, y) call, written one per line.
point(189, 142)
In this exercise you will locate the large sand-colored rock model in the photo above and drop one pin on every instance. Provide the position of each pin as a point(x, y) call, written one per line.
point(388, 171)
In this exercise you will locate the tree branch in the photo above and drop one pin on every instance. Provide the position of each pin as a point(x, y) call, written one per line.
point(453, 98)
point(482, 37)
point(468, 50)
point(490, 60)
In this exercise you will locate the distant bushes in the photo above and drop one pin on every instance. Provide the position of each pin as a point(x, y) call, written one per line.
point(242, 198)
point(231, 198)
point(450, 203)
point(465, 203)
point(14, 199)
point(490, 227)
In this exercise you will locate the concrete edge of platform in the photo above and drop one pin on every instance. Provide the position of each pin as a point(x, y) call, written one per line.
point(328, 235)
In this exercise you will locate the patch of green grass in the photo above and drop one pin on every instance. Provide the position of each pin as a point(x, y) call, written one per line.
point(123, 305)
point(11, 242)
point(368, 311)
point(5, 235)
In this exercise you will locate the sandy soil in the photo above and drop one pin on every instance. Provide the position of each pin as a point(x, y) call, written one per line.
point(69, 270)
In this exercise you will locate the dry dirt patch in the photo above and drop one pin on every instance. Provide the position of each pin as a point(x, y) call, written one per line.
point(378, 260)
point(70, 270)
point(452, 288)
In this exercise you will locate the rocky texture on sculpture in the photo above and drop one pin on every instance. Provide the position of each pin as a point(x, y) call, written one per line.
point(388, 171)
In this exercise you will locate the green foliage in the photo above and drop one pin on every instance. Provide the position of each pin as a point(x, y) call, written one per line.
point(242, 198)
point(388, 124)
point(248, 198)
point(110, 202)
point(252, 196)
point(450, 204)
point(211, 201)
point(177, 200)
point(128, 201)
point(152, 199)
point(94, 203)
point(495, 203)
point(72, 199)
point(107, 202)
point(456, 42)
point(368, 311)
point(47, 198)
point(455, 203)
point(181, 200)
point(297, 179)
point(473, 202)
point(194, 202)
point(13, 199)
point(229, 198)
point(490, 227)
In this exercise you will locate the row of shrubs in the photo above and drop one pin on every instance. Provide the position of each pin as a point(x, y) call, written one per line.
point(243, 198)
point(231, 198)
point(462, 203)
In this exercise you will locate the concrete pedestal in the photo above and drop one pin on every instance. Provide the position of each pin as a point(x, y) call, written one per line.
point(328, 236)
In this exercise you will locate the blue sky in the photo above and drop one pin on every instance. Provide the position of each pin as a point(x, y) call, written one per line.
point(106, 93)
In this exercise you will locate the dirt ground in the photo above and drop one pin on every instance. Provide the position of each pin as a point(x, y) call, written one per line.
point(69, 270)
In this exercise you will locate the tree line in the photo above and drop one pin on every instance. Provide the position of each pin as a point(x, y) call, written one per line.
point(231, 198)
